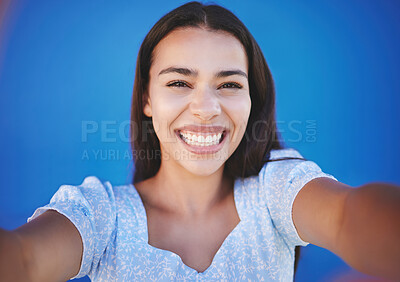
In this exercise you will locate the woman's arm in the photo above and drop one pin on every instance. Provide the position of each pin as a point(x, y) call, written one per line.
point(361, 225)
point(49, 248)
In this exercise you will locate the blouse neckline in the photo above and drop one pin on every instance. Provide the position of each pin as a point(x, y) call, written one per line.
point(237, 196)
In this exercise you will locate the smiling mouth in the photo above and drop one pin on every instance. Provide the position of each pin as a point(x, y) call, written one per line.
point(202, 139)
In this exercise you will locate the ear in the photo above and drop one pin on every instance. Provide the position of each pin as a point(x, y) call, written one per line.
point(147, 107)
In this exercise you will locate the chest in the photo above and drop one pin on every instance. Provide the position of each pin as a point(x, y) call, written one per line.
point(196, 241)
point(252, 250)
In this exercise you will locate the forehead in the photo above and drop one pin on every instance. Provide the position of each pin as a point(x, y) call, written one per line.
point(200, 49)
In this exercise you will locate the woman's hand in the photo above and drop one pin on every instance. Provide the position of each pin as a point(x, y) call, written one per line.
point(361, 225)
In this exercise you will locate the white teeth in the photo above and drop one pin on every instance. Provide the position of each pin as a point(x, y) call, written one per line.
point(201, 140)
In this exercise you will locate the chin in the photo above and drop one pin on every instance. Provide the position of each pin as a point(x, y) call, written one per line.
point(196, 164)
point(203, 168)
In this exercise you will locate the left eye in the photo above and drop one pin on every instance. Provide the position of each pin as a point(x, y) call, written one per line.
point(178, 84)
point(231, 85)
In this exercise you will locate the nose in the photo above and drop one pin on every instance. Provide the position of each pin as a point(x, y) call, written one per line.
point(205, 104)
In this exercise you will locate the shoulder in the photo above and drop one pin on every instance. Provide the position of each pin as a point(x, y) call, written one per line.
point(280, 163)
point(285, 152)
point(90, 187)
point(286, 166)
point(94, 207)
point(279, 182)
point(270, 184)
point(93, 189)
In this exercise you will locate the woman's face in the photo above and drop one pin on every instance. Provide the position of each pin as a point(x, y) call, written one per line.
point(199, 98)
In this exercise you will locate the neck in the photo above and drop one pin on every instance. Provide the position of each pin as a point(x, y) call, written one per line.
point(181, 192)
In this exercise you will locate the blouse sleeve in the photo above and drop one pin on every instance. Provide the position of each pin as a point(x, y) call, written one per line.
point(280, 182)
point(90, 206)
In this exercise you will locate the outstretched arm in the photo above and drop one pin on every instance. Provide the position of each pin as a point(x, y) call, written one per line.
point(361, 225)
point(49, 248)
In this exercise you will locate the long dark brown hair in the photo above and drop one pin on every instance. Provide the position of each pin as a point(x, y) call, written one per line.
point(261, 135)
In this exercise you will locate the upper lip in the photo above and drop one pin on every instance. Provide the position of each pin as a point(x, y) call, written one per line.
point(203, 128)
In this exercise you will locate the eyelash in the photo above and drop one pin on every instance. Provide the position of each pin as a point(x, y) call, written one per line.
point(231, 85)
point(179, 84)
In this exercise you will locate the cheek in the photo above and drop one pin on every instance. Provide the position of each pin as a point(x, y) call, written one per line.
point(161, 120)
point(239, 111)
point(165, 112)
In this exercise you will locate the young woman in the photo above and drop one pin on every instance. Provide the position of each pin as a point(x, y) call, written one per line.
point(214, 196)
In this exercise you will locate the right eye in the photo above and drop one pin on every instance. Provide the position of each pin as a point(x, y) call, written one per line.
point(178, 83)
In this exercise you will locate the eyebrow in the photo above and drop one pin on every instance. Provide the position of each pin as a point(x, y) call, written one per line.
point(184, 71)
point(191, 72)
point(226, 73)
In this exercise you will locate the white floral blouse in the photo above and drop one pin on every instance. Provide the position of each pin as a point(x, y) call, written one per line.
point(113, 225)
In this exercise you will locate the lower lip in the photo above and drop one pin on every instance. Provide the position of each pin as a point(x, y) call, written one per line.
point(204, 150)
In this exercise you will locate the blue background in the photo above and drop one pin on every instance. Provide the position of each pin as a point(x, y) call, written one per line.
point(64, 64)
